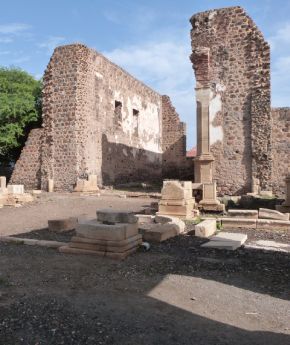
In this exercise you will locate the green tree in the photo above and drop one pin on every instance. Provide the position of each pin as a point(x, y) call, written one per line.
point(20, 110)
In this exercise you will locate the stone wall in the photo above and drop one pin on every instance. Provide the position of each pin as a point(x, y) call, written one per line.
point(238, 73)
point(281, 148)
point(27, 168)
point(98, 119)
point(174, 161)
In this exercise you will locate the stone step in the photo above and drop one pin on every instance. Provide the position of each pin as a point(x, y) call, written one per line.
point(238, 223)
point(116, 256)
point(107, 243)
point(106, 248)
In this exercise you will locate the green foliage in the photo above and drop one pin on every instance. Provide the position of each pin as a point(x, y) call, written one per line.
point(20, 109)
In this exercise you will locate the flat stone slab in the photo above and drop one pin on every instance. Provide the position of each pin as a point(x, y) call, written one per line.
point(226, 240)
point(116, 256)
point(144, 218)
point(266, 213)
point(99, 231)
point(238, 223)
point(230, 236)
point(252, 214)
point(62, 225)
point(265, 224)
point(228, 245)
point(269, 245)
point(205, 228)
point(31, 242)
point(116, 216)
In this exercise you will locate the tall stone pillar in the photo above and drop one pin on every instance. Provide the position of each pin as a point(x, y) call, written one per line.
point(203, 163)
point(204, 160)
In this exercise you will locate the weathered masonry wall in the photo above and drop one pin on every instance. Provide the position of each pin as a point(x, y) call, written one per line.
point(27, 168)
point(174, 161)
point(281, 148)
point(97, 119)
point(238, 73)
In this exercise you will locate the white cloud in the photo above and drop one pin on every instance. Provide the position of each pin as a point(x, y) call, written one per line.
point(165, 66)
point(13, 28)
point(51, 43)
point(282, 36)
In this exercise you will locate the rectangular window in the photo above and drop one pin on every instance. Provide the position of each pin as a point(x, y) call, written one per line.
point(118, 114)
point(135, 122)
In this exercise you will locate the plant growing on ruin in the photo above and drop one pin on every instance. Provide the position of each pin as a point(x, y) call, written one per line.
point(20, 110)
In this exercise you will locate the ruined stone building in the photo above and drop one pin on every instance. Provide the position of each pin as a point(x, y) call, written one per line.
point(98, 119)
point(250, 142)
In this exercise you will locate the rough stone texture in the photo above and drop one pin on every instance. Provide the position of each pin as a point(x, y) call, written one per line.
point(97, 120)
point(264, 224)
point(116, 216)
point(281, 148)
point(175, 164)
point(231, 56)
point(27, 168)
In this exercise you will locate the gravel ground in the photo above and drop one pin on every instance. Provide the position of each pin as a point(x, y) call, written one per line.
point(176, 293)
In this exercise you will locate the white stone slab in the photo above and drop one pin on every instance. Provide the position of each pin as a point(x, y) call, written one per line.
point(231, 237)
point(15, 189)
point(229, 245)
point(266, 213)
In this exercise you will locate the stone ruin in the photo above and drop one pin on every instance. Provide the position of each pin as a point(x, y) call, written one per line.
point(100, 121)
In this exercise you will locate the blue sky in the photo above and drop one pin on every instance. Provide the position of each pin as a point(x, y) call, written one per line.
point(149, 38)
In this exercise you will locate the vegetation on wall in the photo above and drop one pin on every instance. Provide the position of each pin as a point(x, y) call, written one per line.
point(20, 110)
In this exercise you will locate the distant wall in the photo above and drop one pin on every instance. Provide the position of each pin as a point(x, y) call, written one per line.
point(28, 166)
point(174, 161)
point(98, 119)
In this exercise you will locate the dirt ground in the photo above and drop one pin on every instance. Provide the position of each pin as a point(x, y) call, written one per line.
point(176, 293)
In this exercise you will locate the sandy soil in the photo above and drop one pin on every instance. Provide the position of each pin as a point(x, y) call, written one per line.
point(176, 293)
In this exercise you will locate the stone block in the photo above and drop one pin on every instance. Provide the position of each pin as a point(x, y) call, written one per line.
point(24, 198)
point(122, 243)
point(265, 224)
point(142, 218)
point(266, 193)
point(15, 189)
point(107, 247)
point(174, 189)
point(62, 225)
point(179, 211)
point(116, 256)
point(2, 182)
point(50, 185)
point(116, 216)
point(158, 232)
point(251, 214)
point(238, 223)
point(117, 232)
point(266, 213)
point(230, 236)
point(89, 185)
point(205, 228)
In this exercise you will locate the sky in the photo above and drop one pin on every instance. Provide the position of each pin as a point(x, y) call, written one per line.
point(150, 39)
